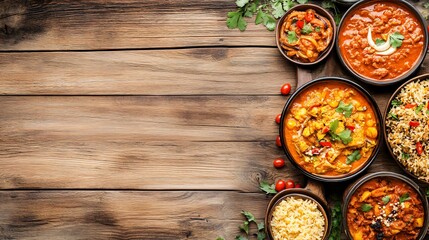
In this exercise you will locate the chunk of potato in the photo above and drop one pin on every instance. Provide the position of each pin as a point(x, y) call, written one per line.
point(371, 132)
point(358, 235)
point(418, 222)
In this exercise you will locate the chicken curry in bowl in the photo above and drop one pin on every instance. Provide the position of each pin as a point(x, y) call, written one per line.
point(331, 128)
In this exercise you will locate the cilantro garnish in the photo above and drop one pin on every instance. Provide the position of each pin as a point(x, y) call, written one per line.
point(317, 29)
point(268, 188)
point(345, 136)
point(392, 115)
point(405, 156)
point(419, 108)
point(396, 39)
point(291, 37)
point(334, 125)
point(365, 207)
point(386, 199)
point(404, 197)
point(345, 109)
point(396, 103)
point(307, 29)
point(379, 41)
point(353, 157)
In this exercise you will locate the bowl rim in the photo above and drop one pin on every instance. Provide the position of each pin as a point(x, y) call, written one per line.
point(320, 11)
point(377, 113)
point(386, 112)
point(405, 75)
point(352, 188)
point(300, 192)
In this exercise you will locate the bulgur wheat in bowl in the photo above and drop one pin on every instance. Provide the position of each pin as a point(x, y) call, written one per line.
point(407, 127)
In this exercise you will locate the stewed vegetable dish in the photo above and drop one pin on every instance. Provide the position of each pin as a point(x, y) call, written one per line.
point(305, 35)
point(385, 208)
point(381, 40)
point(330, 129)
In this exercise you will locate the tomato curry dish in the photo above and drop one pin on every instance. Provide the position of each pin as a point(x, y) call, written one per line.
point(381, 41)
point(330, 129)
point(385, 208)
point(305, 35)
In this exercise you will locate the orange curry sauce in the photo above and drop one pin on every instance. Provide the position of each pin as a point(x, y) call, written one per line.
point(385, 208)
point(385, 20)
point(315, 121)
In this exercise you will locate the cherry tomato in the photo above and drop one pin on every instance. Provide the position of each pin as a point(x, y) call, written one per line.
point(352, 128)
point(325, 129)
point(298, 185)
point(411, 105)
point(280, 185)
point(278, 117)
point(300, 24)
point(419, 148)
point(309, 17)
point(279, 162)
point(414, 123)
point(289, 184)
point(278, 141)
point(285, 90)
point(326, 144)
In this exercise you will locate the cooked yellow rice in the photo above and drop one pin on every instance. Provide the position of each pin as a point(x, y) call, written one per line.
point(402, 137)
point(297, 219)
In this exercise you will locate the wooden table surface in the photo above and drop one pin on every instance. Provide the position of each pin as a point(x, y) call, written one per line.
point(126, 119)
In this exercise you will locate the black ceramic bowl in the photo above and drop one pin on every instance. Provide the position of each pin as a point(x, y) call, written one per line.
point(303, 7)
point(379, 122)
point(403, 76)
point(353, 188)
point(304, 194)
point(386, 113)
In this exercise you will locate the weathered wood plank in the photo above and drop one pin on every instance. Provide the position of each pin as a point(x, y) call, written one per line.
point(113, 24)
point(125, 215)
point(250, 71)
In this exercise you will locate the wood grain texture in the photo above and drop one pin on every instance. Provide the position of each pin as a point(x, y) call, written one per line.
point(125, 215)
point(219, 71)
point(117, 24)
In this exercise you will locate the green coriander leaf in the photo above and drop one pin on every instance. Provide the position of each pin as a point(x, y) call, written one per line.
point(396, 39)
point(249, 216)
point(345, 109)
point(396, 103)
point(404, 197)
point(365, 207)
point(393, 116)
point(337, 18)
point(220, 238)
point(240, 238)
point(379, 41)
point(260, 16)
point(353, 157)
point(307, 29)
point(405, 156)
point(302, 1)
point(345, 136)
point(277, 9)
point(328, 4)
point(386, 199)
point(245, 227)
point(334, 125)
point(232, 20)
point(267, 188)
point(317, 29)
point(242, 24)
point(419, 108)
point(291, 37)
point(241, 3)
point(426, 5)
point(288, 4)
point(261, 235)
point(427, 111)
point(261, 226)
point(270, 24)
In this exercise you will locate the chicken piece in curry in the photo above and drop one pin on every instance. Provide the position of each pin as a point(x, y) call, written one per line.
point(385, 208)
point(330, 129)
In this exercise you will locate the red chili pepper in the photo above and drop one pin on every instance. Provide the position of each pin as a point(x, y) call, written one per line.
point(309, 16)
point(419, 148)
point(428, 106)
point(300, 24)
point(352, 128)
point(325, 130)
point(414, 123)
point(411, 105)
point(326, 144)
